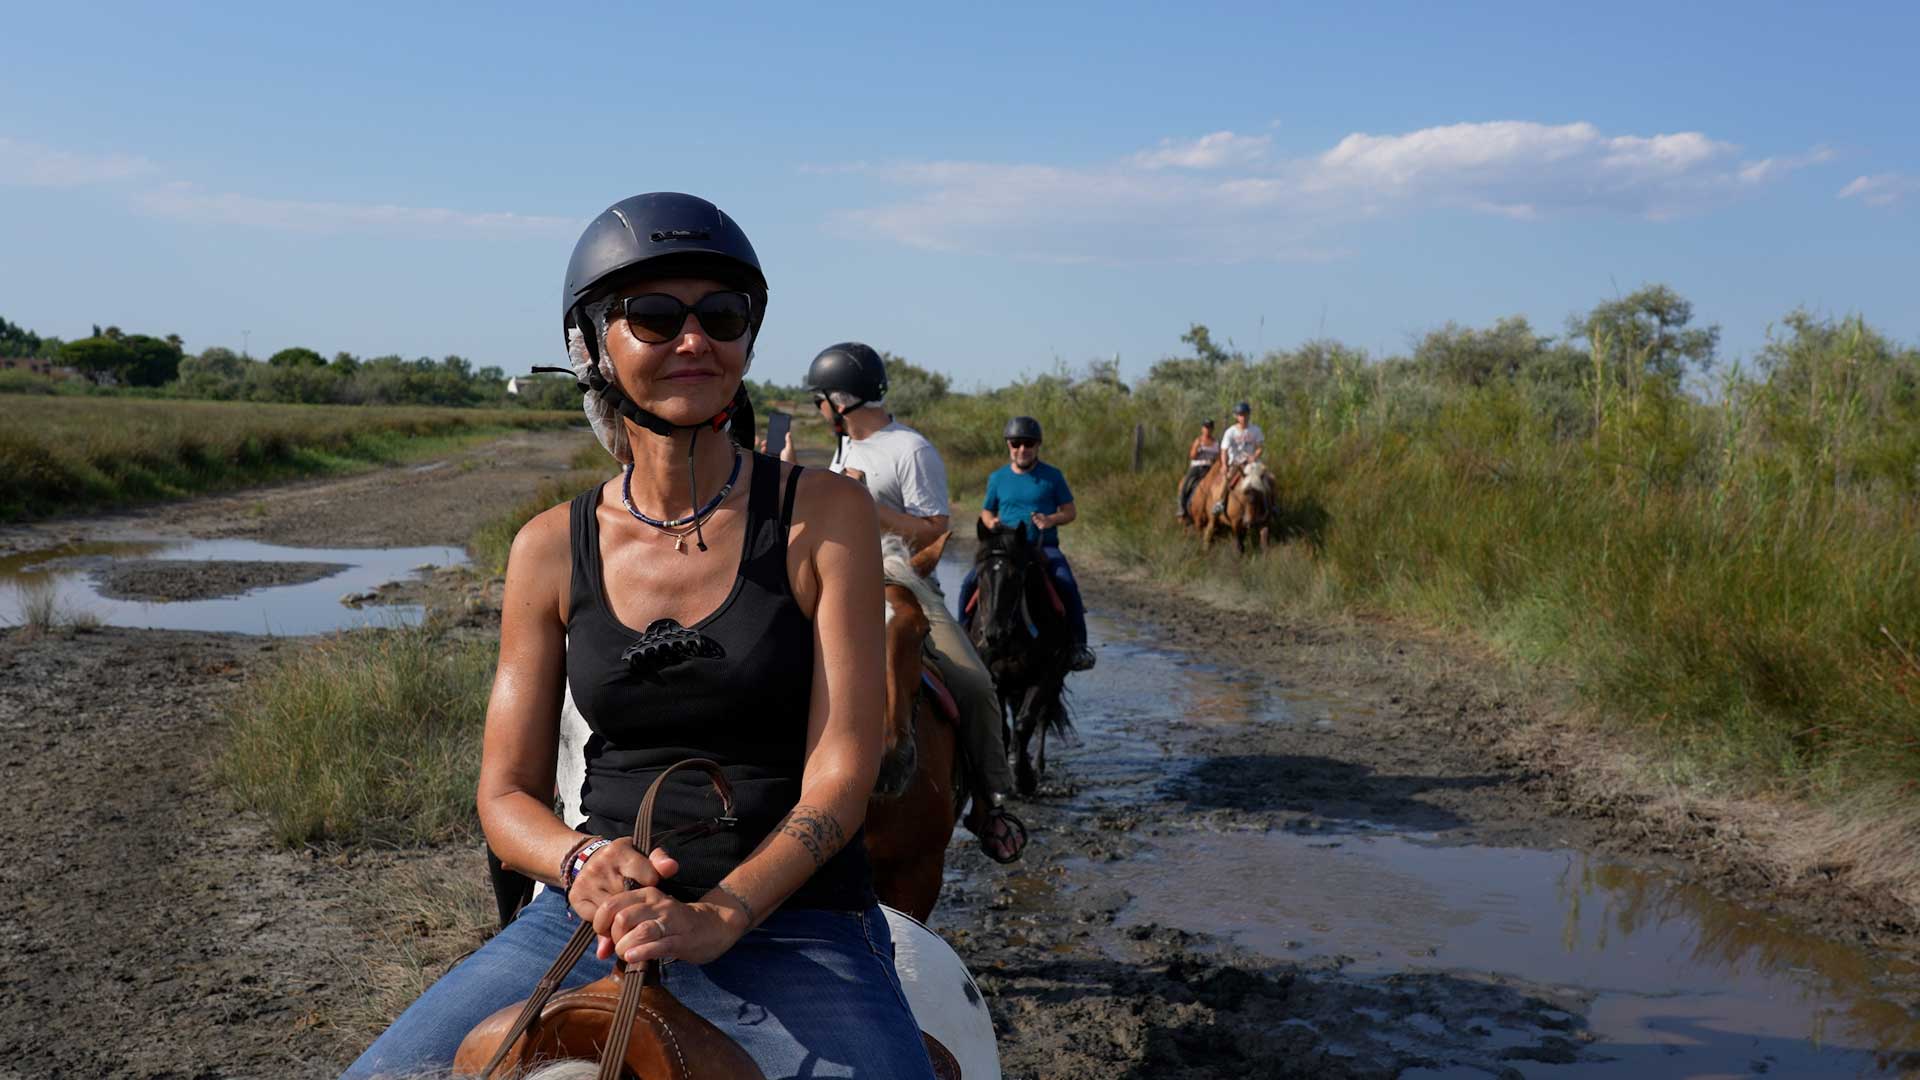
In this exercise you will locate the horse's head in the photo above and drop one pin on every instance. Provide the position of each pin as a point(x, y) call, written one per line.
point(1003, 561)
point(1252, 498)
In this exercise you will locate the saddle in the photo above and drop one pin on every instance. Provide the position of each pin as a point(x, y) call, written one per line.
point(936, 687)
point(627, 1021)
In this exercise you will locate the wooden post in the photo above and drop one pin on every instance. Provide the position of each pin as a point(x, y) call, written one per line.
point(1139, 445)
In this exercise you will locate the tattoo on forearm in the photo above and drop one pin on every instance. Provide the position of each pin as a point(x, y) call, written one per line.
point(816, 830)
point(753, 917)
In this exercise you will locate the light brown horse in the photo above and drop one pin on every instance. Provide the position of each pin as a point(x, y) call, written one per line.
point(917, 798)
point(1245, 495)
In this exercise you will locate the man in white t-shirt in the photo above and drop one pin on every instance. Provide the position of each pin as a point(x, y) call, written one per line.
point(1243, 442)
point(908, 481)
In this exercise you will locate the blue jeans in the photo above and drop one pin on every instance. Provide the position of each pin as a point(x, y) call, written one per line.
point(1063, 583)
point(808, 992)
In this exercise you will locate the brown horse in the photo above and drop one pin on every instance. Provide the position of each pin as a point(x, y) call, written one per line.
point(1245, 495)
point(917, 798)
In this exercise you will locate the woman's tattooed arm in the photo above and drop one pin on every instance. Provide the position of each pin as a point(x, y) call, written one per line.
point(817, 831)
point(753, 917)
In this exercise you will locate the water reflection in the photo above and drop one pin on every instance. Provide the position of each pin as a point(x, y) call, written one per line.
point(1670, 965)
point(68, 575)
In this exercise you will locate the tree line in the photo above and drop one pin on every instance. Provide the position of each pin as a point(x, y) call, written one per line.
point(111, 357)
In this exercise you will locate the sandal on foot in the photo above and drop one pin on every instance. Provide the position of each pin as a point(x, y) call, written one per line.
point(1006, 837)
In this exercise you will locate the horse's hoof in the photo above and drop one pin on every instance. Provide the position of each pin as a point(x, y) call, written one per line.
point(1025, 780)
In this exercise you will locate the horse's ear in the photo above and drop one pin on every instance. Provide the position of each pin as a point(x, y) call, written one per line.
point(928, 557)
point(981, 530)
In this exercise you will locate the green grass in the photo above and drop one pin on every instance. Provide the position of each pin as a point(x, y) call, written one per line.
point(368, 737)
point(374, 736)
point(61, 454)
point(491, 542)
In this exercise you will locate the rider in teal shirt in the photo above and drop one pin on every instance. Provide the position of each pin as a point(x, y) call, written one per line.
point(1034, 495)
point(1018, 497)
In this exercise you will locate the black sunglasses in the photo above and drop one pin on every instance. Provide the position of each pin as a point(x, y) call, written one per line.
point(656, 318)
point(1022, 444)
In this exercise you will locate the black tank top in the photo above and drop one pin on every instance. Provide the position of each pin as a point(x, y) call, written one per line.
point(741, 698)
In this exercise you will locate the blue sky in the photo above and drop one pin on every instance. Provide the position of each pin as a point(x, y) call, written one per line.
point(986, 189)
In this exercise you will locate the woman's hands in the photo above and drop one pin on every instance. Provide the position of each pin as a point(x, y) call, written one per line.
point(618, 891)
point(647, 924)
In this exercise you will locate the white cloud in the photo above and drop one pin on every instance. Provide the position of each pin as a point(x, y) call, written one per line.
point(26, 164)
point(1881, 189)
point(1759, 172)
point(33, 165)
point(1224, 197)
point(1220, 149)
point(184, 202)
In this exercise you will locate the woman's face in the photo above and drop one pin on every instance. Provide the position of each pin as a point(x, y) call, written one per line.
point(1206, 431)
point(686, 379)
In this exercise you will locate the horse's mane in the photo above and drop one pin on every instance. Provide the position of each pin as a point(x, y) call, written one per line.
point(896, 565)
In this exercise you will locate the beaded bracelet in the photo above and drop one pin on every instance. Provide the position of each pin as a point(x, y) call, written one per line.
point(579, 860)
point(566, 861)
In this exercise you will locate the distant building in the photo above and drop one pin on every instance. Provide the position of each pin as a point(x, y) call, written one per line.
point(513, 386)
point(34, 365)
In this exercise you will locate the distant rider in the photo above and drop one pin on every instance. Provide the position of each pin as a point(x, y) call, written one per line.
point(1199, 459)
point(1033, 495)
point(1243, 442)
point(908, 481)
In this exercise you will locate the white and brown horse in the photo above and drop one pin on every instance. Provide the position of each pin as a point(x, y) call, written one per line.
point(1244, 494)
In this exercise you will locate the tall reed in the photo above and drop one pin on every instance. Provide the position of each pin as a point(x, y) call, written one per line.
point(1737, 578)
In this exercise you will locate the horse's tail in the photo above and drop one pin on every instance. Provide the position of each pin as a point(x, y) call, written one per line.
point(1058, 719)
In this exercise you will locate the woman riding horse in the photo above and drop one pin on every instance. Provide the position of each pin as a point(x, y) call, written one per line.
point(768, 662)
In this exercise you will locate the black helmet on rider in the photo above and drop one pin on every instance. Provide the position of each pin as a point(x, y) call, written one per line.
point(850, 368)
point(660, 234)
point(1022, 427)
point(1242, 409)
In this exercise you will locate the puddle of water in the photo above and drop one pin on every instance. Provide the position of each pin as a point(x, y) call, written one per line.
point(1682, 984)
point(309, 608)
point(1682, 980)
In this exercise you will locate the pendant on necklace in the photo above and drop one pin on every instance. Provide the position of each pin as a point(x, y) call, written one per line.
point(679, 543)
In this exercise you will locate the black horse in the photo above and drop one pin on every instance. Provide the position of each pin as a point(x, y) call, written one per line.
point(1019, 626)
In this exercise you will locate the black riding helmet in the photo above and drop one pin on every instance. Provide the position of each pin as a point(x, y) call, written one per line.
point(850, 368)
point(660, 234)
point(1022, 427)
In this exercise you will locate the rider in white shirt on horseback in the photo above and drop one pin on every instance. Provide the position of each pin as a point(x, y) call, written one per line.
point(908, 481)
point(1243, 442)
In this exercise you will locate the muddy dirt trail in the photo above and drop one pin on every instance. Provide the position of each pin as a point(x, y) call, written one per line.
point(1309, 854)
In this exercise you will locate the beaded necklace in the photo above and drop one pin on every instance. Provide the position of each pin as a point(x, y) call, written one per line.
point(681, 527)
